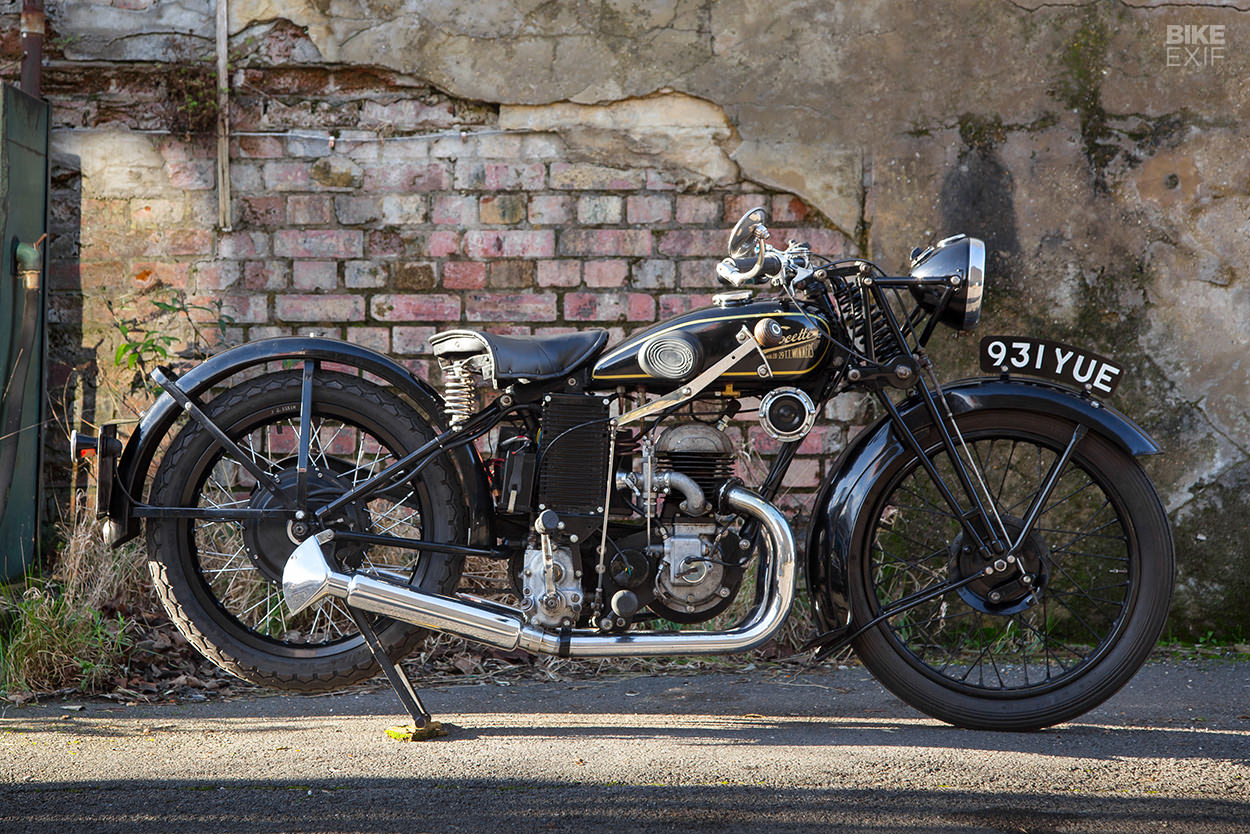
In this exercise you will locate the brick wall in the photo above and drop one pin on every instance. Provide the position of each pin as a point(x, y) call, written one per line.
point(375, 210)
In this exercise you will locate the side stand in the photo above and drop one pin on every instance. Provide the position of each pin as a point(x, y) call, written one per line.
point(424, 726)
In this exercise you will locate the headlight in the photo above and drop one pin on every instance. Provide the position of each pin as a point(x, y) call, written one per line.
point(959, 255)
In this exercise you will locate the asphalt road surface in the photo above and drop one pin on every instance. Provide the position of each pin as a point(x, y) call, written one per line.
point(762, 751)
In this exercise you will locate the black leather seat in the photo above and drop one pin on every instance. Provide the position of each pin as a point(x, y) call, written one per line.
point(522, 358)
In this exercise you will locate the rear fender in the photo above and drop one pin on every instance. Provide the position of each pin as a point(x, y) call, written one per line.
point(850, 484)
point(142, 445)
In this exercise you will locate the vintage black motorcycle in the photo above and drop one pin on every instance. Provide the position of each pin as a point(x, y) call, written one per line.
point(990, 547)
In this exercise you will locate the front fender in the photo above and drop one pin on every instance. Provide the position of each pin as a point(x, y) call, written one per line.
point(143, 443)
point(830, 536)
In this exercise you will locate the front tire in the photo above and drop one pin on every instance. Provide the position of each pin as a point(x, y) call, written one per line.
point(220, 581)
point(1024, 654)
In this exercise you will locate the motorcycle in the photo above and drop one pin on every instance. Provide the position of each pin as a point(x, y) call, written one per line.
point(990, 547)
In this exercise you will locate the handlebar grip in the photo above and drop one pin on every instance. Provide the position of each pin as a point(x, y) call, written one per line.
point(772, 265)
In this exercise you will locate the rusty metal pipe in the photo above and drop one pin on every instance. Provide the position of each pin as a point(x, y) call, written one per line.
point(32, 47)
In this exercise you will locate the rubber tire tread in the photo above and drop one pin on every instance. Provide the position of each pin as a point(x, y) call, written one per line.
point(1120, 474)
point(202, 629)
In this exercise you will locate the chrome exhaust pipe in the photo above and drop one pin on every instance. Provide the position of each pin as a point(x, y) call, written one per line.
point(308, 578)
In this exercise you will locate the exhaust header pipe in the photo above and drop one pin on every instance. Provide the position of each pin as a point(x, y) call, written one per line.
point(308, 578)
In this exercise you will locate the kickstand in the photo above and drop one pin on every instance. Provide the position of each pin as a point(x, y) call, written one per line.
point(423, 726)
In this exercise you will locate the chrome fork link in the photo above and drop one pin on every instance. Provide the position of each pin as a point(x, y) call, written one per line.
point(459, 392)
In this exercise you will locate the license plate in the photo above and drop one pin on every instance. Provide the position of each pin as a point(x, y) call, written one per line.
point(1075, 366)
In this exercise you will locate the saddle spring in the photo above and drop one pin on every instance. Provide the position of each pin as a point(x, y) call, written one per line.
point(459, 392)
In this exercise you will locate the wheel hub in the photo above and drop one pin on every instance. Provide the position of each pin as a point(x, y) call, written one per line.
point(1012, 587)
point(269, 541)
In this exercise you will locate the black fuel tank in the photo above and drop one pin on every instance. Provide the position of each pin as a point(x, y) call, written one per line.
point(677, 350)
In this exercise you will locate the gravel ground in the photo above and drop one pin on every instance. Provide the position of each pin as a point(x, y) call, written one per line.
point(764, 750)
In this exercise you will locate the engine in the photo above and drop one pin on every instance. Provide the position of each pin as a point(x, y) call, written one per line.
point(665, 552)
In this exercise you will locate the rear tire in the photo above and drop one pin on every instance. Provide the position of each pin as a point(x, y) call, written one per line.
point(1004, 655)
point(220, 581)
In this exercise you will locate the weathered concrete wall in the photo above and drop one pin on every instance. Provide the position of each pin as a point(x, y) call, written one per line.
point(1106, 168)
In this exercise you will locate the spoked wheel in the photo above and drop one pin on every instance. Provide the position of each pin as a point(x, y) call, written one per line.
point(220, 580)
point(1067, 623)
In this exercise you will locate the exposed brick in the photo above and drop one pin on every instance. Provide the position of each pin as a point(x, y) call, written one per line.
point(649, 208)
point(565, 273)
point(318, 243)
point(442, 244)
point(381, 243)
point(549, 209)
point(214, 276)
point(309, 209)
point(401, 209)
point(693, 242)
point(409, 341)
point(589, 306)
point(502, 209)
point(606, 273)
point(269, 210)
point(698, 274)
point(336, 172)
point(246, 178)
point(475, 175)
point(375, 338)
point(281, 175)
point(464, 275)
point(823, 241)
point(654, 274)
point(422, 307)
point(407, 114)
point(787, 209)
point(351, 210)
point(598, 210)
point(595, 177)
point(258, 147)
point(266, 275)
point(511, 274)
point(188, 242)
point(315, 275)
point(358, 274)
point(156, 213)
point(410, 276)
point(332, 308)
point(453, 210)
point(242, 245)
point(510, 306)
point(737, 205)
point(513, 243)
point(675, 305)
point(406, 177)
point(691, 209)
point(244, 309)
point(822, 440)
point(193, 175)
point(620, 242)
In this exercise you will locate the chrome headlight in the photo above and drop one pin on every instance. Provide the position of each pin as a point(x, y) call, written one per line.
point(959, 255)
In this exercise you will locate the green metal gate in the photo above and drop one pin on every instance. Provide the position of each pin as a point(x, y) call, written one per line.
point(24, 132)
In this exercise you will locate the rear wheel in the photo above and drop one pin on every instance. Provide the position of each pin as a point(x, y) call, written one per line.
point(1060, 631)
point(220, 581)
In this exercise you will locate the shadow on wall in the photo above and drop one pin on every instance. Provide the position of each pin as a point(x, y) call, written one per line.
point(979, 193)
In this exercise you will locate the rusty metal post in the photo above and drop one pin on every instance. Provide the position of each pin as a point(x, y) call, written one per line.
point(32, 46)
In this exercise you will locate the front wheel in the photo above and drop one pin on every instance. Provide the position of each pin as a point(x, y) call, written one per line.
point(1046, 641)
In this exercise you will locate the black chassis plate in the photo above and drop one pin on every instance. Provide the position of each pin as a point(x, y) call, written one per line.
point(1078, 367)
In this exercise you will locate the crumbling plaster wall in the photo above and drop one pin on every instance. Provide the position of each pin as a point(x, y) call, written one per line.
point(1113, 189)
